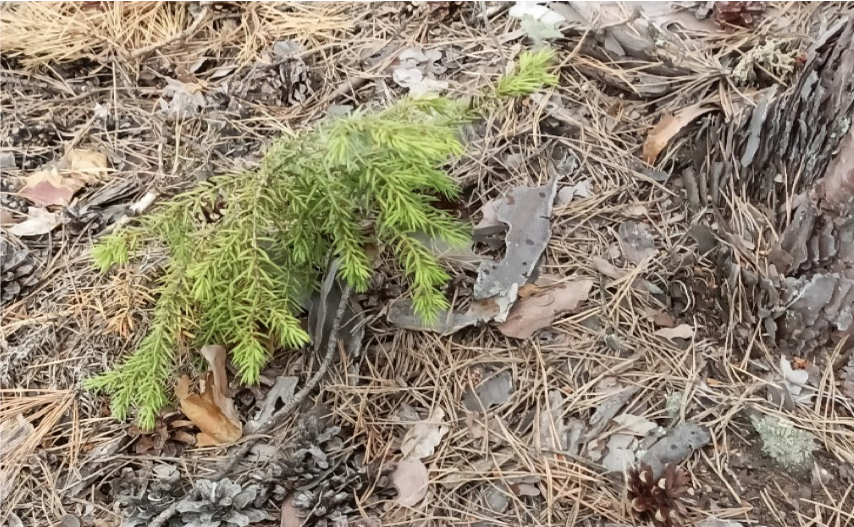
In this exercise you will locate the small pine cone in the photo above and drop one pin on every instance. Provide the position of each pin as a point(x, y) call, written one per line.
point(435, 11)
point(19, 271)
point(8, 200)
point(739, 14)
point(660, 501)
point(81, 219)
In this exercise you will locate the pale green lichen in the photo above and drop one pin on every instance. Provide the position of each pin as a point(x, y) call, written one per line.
point(776, 56)
point(791, 447)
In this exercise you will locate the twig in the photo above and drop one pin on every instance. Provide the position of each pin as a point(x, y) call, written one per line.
point(277, 418)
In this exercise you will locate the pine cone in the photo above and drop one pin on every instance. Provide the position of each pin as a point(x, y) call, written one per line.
point(8, 200)
point(222, 503)
point(740, 14)
point(81, 219)
point(325, 487)
point(145, 493)
point(438, 11)
point(19, 271)
point(663, 501)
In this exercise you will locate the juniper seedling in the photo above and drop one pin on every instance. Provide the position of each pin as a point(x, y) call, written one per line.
point(366, 177)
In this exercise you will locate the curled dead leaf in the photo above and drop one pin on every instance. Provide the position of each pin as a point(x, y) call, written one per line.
point(39, 222)
point(411, 479)
point(212, 410)
point(86, 166)
point(667, 128)
point(57, 185)
point(530, 314)
point(422, 439)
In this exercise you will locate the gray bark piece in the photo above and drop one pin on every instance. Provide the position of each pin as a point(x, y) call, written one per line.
point(675, 447)
point(402, 314)
point(637, 239)
point(527, 212)
point(607, 410)
point(493, 391)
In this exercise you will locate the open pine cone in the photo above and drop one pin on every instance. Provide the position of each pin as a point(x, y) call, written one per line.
point(660, 501)
point(739, 14)
point(19, 271)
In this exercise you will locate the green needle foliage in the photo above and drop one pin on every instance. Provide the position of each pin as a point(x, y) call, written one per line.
point(328, 192)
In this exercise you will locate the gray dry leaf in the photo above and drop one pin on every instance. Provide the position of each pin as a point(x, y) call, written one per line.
point(481, 426)
point(283, 389)
point(417, 71)
point(538, 30)
point(638, 243)
point(621, 453)
point(790, 387)
point(848, 378)
point(635, 424)
point(675, 447)
point(411, 480)
point(579, 190)
point(682, 331)
point(611, 271)
point(558, 434)
point(527, 212)
point(608, 409)
point(186, 99)
point(530, 314)
point(494, 391)
point(13, 434)
point(423, 437)
point(536, 11)
point(39, 221)
point(402, 314)
point(463, 257)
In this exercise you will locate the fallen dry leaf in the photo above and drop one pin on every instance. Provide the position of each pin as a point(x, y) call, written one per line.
point(635, 424)
point(638, 243)
point(47, 187)
point(212, 411)
point(422, 439)
point(682, 331)
point(86, 166)
point(57, 185)
point(410, 478)
point(39, 222)
point(538, 311)
point(611, 271)
point(493, 391)
point(621, 453)
point(667, 128)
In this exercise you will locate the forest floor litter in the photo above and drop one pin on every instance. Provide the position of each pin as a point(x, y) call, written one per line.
point(651, 326)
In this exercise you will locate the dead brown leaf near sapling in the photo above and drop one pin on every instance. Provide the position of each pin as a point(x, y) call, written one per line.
point(56, 185)
point(667, 128)
point(535, 312)
point(212, 410)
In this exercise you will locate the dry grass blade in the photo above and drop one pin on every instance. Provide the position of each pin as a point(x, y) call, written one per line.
point(26, 417)
point(46, 32)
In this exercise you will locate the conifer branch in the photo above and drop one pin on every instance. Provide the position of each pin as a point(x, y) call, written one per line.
point(366, 177)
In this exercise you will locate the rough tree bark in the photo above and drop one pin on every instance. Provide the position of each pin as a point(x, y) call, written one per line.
point(780, 179)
